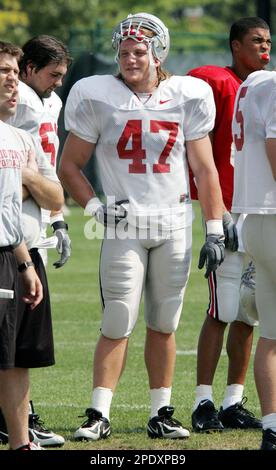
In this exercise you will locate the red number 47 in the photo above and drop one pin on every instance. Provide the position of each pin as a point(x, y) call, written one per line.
point(137, 154)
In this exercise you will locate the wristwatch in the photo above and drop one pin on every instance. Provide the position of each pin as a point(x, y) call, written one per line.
point(23, 266)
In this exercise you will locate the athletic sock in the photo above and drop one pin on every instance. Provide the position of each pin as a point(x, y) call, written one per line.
point(101, 400)
point(233, 394)
point(203, 392)
point(269, 422)
point(159, 397)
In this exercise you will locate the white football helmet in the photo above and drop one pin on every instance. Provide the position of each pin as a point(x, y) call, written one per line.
point(130, 28)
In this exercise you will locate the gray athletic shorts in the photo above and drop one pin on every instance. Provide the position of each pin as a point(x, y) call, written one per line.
point(259, 237)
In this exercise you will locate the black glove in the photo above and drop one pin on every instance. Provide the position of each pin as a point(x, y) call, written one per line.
point(63, 247)
point(111, 215)
point(212, 253)
point(230, 232)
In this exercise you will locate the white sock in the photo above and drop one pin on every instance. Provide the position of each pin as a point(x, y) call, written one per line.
point(101, 400)
point(203, 392)
point(30, 409)
point(159, 397)
point(233, 394)
point(269, 422)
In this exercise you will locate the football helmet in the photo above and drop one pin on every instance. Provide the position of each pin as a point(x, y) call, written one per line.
point(133, 26)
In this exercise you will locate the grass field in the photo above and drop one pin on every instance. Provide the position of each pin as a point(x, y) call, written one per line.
point(61, 393)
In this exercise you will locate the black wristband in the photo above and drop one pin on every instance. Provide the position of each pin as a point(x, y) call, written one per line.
point(59, 224)
point(23, 266)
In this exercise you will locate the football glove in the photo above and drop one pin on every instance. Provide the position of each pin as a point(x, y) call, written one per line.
point(212, 253)
point(63, 247)
point(107, 215)
point(230, 232)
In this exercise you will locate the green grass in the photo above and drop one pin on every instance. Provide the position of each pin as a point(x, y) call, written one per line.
point(61, 393)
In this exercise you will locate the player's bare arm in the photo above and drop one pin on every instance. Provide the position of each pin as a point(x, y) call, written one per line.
point(75, 155)
point(203, 167)
point(33, 288)
point(47, 194)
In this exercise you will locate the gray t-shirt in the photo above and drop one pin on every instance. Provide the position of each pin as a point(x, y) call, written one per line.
point(13, 152)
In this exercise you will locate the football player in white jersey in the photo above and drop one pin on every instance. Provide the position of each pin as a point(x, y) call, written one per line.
point(254, 135)
point(42, 69)
point(141, 123)
point(13, 150)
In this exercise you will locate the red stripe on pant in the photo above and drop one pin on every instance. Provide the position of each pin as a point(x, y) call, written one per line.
point(212, 309)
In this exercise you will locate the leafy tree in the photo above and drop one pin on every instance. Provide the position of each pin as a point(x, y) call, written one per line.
point(14, 21)
point(83, 22)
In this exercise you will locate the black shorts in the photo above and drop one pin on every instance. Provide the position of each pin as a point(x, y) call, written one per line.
point(8, 313)
point(34, 343)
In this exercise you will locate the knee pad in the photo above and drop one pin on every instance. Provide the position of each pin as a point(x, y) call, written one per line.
point(116, 321)
point(228, 302)
point(165, 316)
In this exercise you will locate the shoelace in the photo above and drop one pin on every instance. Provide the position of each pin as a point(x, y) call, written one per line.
point(169, 420)
point(243, 410)
point(37, 423)
point(91, 418)
point(248, 276)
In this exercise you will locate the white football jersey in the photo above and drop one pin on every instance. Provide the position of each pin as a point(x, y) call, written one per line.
point(31, 212)
point(40, 118)
point(254, 121)
point(141, 140)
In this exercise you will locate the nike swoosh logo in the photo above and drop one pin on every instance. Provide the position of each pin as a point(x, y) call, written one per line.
point(164, 101)
point(200, 426)
point(240, 421)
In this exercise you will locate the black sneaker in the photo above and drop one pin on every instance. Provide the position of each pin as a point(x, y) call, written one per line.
point(238, 417)
point(4, 438)
point(39, 434)
point(269, 440)
point(166, 427)
point(94, 428)
point(205, 418)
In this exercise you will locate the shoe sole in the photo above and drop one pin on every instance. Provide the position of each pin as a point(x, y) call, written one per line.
point(243, 428)
point(79, 439)
point(207, 431)
point(87, 439)
point(153, 436)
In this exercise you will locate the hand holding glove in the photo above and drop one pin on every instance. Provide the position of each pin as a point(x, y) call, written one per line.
point(63, 247)
point(107, 215)
point(230, 232)
point(212, 252)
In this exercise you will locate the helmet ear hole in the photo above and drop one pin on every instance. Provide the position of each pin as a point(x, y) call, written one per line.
point(156, 48)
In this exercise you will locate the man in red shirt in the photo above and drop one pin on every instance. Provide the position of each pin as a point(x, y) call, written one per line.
point(250, 44)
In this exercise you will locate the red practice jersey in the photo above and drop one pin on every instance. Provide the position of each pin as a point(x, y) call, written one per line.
point(224, 83)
